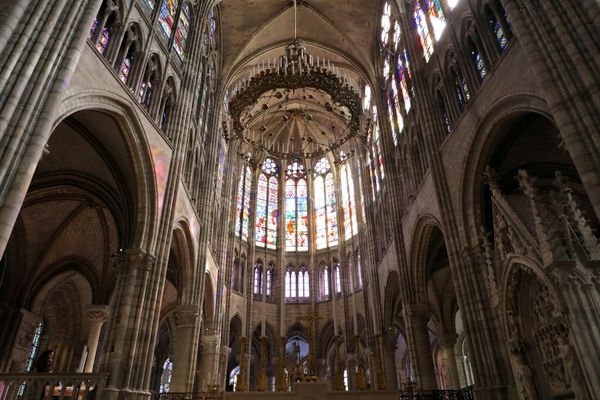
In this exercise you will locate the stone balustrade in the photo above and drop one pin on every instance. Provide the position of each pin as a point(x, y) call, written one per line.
point(51, 386)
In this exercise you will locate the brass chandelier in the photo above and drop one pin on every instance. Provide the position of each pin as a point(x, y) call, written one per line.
point(294, 87)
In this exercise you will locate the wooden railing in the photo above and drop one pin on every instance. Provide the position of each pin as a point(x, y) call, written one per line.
point(462, 394)
point(191, 396)
point(52, 386)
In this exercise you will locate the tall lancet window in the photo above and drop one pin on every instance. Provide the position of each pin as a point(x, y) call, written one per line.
point(183, 29)
point(423, 31)
point(337, 277)
point(258, 278)
point(348, 202)
point(296, 208)
point(297, 283)
point(325, 205)
point(243, 204)
point(436, 17)
point(166, 19)
point(267, 211)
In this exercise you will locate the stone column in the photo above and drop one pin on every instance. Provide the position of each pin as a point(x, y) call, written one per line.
point(389, 361)
point(447, 349)
point(185, 320)
point(97, 314)
point(210, 346)
point(417, 316)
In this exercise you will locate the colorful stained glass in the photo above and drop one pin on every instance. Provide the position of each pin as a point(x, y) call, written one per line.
point(423, 31)
point(378, 155)
point(260, 229)
point(243, 204)
point(150, 3)
point(266, 206)
point(348, 203)
point(360, 191)
point(273, 213)
point(436, 18)
point(392, 118)
point(183, 29)
point(325, 283)
point(397, 35)
point(367, 98)
point(386, 23)
point(125, 70)
point(94, 27)
point(320, 216)
point(332, 229)
point(403, 73)
point(103, 40)
point(166, 19)
point(290, 215)
point(302, 198)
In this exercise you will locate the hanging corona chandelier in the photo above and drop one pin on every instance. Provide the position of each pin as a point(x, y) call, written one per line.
point(294, 105)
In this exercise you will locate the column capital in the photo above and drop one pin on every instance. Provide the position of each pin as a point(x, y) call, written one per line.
point(97, 313)
point(136, 258)
point(186, 315)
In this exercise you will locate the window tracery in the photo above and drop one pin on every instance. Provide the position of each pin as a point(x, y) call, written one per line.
point(296, 207)
point(267, 210)
point(325, 206)
point(297, 283)
point(243, 204)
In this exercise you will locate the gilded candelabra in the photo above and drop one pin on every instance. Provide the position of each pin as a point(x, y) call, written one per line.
point(381, 381)
point(361, 379)
point(339, 366)
point(242, 385)
point(282, 383)
point(261, 385)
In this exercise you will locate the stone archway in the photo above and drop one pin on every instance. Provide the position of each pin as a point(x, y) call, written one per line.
point(544, 362)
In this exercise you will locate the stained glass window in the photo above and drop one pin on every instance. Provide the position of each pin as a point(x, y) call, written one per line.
point(444, 112)
point(377, 153)
point(243, 204)
point(477, 60)
point(166, 19)
point(397, 35)
point(183, 29)
point(423, 31)
point(125, 69)
point(403, 72)
point(367, 98)
point(258, 277)
point(399, 119)
point(386, 23)
point(325, 282)
point(436, 17)
point(348, 203)
point(166, 377)
point(269, 280)
point(150, 3)
point(35, 347)
point(337, 279)
point(358, 272)
point(361, 188)
point(297, 283)
point(325, 206)
point(103, 40)
point(496, 27)
point(296, 208)
point(267, 210)
point(451, 3)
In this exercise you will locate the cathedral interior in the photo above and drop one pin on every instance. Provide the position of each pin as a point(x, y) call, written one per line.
point(247, 199)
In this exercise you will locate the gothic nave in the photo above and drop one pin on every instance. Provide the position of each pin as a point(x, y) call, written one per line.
point(244, 199)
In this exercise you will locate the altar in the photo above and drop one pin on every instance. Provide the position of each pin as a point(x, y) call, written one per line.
point(313, 391)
